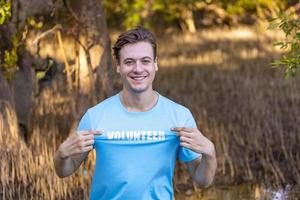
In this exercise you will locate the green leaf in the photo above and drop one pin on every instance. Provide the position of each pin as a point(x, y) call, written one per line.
point(273, 25)
point(286, 28)
point(5, 11)
point(276, 63)
point(294, 47)
point(40, 74)
point(298, 35)
point(282, 45)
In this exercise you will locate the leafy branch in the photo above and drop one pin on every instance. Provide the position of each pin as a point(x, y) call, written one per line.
point(10, 64)
point(290, 25)
point(5, 11)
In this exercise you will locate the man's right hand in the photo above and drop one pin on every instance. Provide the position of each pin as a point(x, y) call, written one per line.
point(77, 143)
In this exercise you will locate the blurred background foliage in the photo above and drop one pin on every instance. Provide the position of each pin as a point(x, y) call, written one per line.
point(5, 11)
point(129, 13)
point(289, 23)
point(190, 15)
point(176, 15)
point(55, 62)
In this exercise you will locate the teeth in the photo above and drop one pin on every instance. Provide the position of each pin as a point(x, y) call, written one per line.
point(138, 78)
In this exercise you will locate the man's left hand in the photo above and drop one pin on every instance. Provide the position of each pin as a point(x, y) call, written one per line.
point(193, 139)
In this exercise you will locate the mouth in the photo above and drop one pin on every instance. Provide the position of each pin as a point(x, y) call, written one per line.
point(138, 78)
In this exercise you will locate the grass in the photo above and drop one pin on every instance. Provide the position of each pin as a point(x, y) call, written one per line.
point(239, 102)
point(222, 75)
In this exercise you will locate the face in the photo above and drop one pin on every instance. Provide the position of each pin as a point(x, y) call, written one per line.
point(137, 67)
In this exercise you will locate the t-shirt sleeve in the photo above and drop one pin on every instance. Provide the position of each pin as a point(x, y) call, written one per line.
point(85, 123)
point(185, 154)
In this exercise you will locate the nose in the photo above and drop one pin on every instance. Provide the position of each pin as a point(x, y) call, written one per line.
point(137, 67)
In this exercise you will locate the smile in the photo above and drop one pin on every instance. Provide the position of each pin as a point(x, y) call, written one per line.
point(138, 78)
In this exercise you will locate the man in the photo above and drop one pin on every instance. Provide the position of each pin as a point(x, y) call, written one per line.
point(138, 133)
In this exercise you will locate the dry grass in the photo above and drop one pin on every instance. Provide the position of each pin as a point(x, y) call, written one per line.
point(27, 171)
point(222, 75)
point(239, 102)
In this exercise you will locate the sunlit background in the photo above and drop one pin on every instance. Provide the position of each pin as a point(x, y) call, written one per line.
point(217, 57)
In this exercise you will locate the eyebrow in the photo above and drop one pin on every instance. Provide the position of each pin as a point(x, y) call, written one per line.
point(146, 57)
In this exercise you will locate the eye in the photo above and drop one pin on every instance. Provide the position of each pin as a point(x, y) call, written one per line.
point(146, 61)
point(129, 62)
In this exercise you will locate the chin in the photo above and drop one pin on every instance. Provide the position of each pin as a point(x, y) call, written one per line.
point(138, 89)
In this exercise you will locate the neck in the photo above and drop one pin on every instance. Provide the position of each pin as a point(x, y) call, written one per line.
point(138, 102)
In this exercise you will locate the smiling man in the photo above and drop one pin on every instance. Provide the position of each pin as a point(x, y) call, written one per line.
point(138, 134)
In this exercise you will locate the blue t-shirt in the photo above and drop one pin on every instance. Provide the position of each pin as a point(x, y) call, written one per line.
point(136, 154)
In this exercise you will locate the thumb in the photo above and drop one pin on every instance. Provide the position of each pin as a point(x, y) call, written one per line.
point(96, 132)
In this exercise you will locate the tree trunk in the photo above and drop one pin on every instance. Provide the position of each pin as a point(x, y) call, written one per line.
point(94, 53)
point(19, 93)
point(24, 84)
point(188, 19)
point(5, 91)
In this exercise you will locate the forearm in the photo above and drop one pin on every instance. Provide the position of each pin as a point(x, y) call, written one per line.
point(72, 152)
point(205, 171)
point(63, 166)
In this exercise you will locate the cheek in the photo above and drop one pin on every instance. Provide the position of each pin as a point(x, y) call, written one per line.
point(152, 72)
point(150, 69)
point(124, 71)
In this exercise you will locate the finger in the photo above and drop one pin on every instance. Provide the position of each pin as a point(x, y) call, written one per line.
point(186, 139)
point(186, 129)
point(186, 134)
point(85, 149)
point(88, 148)
point(177, 129)
point(80, 140)
point(90, 132)
point(184, 144)
point(95, 132)
point(87, 137)
point(89, 143)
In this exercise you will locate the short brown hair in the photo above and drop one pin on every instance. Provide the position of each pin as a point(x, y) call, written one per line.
point(132, 36)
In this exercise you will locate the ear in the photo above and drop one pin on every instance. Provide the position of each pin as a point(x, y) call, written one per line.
point(155, 64)
point(118, 68)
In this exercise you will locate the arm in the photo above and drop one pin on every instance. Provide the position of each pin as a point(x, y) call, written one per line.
point(202, 169)
point(72, 152)
point(65, 166)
